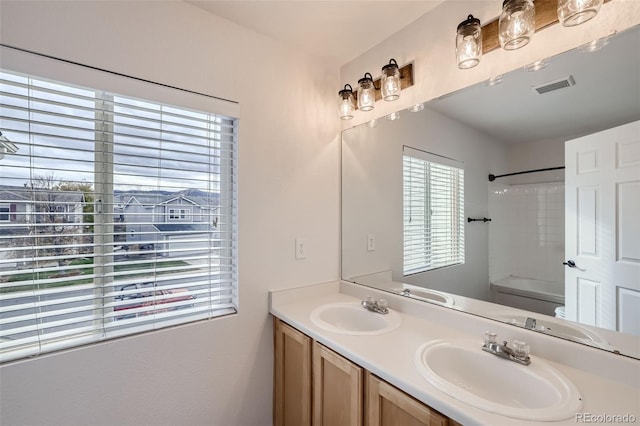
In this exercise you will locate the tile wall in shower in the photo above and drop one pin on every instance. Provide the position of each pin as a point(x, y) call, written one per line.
point(526, 234)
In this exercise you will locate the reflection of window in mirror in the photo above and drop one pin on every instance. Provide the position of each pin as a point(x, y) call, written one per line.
point(433, 211)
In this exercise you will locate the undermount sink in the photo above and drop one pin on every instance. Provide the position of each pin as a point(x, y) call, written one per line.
point(462, 370)
point(353, 319)
point(559, 328)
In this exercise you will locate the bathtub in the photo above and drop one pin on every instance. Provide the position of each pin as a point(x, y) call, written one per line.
point(529, 294)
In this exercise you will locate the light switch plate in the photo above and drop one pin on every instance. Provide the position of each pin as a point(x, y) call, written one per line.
point(301, 248)
point(371, 242)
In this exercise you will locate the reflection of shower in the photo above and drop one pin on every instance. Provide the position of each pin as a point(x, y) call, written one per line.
point(6, 146)
point(526, 238)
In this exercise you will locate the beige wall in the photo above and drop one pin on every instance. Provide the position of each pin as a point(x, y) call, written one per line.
point(215, 372)
point(219, 372)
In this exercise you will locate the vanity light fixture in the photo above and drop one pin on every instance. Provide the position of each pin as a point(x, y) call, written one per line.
point(416, 108)
point(390, 82)
point(393, 116)
point(366, 93)
point(494, 81)
point(346, 103)
point(388, 87)
point(576, 12)
point(516, 24)
point(537, 65)
point(595, 45)
point(469, 43)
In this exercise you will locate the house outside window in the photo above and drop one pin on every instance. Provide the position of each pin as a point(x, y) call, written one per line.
point(5, 213)
point(433, 223)
point(92, 256)
point(180, 214)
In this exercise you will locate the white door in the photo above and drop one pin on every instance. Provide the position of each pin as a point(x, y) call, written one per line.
point(602, 229)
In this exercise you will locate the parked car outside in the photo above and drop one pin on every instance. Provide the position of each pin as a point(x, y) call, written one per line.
point(143, 298)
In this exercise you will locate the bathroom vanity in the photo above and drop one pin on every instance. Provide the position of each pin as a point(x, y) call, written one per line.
point(312, 381)
point(336, 363)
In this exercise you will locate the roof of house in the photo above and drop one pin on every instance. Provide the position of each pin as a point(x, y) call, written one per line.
point(19, 193)
point(182, 227)
point(151, 200)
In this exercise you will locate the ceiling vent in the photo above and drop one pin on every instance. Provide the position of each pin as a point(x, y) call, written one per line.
point(554, 85)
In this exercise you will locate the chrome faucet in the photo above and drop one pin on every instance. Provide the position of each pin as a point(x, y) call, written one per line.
point(378, 306)
point(519, 353)
point(530, 323)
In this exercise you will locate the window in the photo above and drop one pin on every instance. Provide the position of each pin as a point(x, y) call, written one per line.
point(433, 211)
point(179, 214)
point(5, 211)
point(91, 255)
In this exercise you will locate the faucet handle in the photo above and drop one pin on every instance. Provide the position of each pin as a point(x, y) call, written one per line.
point(530, 323)
point(490, 337)
point(382, 304)
point(521, 349)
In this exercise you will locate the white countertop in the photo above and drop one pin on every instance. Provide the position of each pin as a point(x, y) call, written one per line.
point(609, 383)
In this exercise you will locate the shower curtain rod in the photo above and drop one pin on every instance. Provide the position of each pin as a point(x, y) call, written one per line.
point(494, 177)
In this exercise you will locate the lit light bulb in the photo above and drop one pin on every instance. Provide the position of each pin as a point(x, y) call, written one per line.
point(345, 110)
point(516, 24)
point(576, 12)
point(366, 93)
point(390, 85)
point(469, 43)
point(346, 103)
point(416, 108)
point(468, 50)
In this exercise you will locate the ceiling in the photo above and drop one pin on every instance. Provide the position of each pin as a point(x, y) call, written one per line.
point(606, 94)
point(607, 80)
point(335, 30)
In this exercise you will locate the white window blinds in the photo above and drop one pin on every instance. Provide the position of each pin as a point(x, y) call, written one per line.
point(433, 220)
point(121, 215)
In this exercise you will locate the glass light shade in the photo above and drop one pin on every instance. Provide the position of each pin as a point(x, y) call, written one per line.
point(494, 81)
point(346, 103)
point(416, 108)
point(390, 83)
point(575, 12)
point(393, 116)
point(537, 65)
point(516, 24)
point(595, 45)
point(469, 43)
point(366, 93)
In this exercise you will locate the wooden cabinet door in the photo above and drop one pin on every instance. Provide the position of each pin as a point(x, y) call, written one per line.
point(389, 406)
point(337, 389)
point(292, 376)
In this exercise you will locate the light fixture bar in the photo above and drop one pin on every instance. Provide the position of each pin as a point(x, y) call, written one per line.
point(546, 15)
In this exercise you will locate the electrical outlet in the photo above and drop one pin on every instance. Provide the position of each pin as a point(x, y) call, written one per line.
point(301, 248)
point(371, 242)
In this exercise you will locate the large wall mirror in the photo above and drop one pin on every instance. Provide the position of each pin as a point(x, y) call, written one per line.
point(561, 252)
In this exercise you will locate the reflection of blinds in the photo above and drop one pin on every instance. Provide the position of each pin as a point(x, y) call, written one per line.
point(122, 215)
point(433, 212)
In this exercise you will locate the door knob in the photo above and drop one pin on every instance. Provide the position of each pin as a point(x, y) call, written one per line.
point(570, 263)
